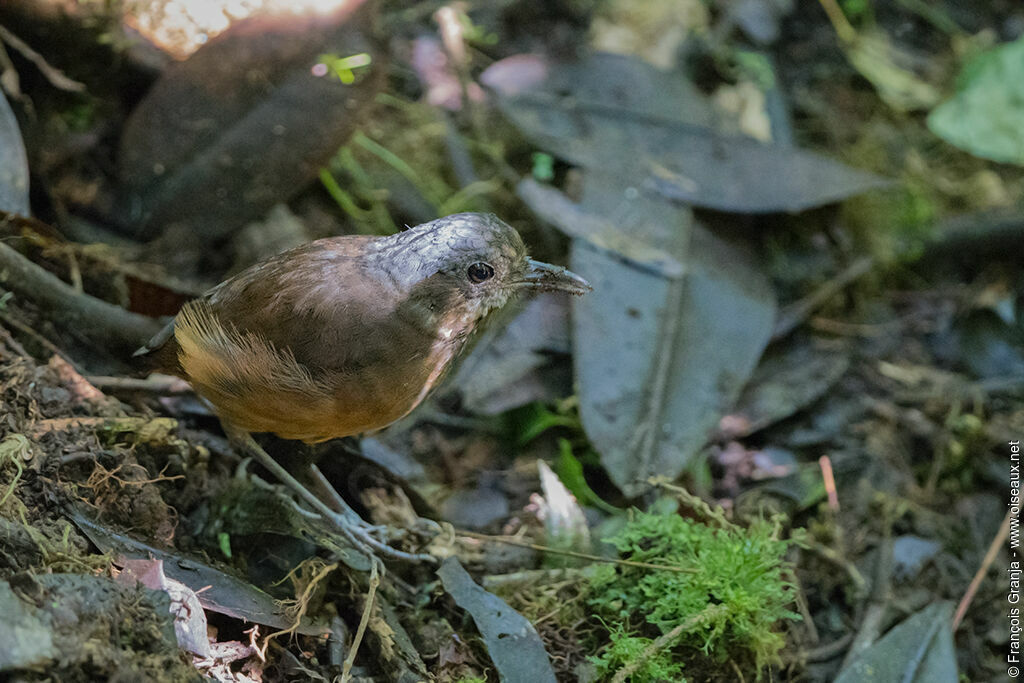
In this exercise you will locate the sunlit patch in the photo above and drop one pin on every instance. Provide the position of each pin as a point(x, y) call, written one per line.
point(180, 27)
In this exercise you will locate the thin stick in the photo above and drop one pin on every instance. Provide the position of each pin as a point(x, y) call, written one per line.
point(794, 314)
point(40, 339)
point(825, 463)
point(979, 576)
point(59, 424)
point(162, 385)
point(13, 343)
point(55, 76)
point(346, 669)
point(572, 553)
point(844, 29)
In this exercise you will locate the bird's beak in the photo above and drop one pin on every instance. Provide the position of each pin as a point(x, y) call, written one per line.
point(548, 278)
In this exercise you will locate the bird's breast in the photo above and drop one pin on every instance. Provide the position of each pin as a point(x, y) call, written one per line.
point(405, 368)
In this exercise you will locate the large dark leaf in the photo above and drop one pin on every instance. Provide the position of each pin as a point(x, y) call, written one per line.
point(787, 380)
point(244, 123)
point(222, 593)
point(13, 164)
point(919, 650)
point(658, 138)
point(662, 345)
point(511, 640)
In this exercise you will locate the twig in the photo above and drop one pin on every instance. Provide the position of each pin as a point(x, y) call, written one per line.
point(39, 338)
point(60, 424)
point(117, 424)
point(825, 463)
point(531, 577)
point(364, 620)
point(804, 609)
point(665, 641)
point(696, 503)
point(646, 435)
point(98, 320)
point(823, 653)
point(161, 385)
point(10, 82)
point(54, 75)
point(878, 609)
point(842, 25)
point(13, 343)
point(793, 315)
point(572, 553)
point(986, 563)
point(860, 584)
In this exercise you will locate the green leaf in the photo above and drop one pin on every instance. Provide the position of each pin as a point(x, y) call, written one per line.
point(543, 167)
point(224, 543)
point(986, 116)
point(570, 471)
point(537, 419)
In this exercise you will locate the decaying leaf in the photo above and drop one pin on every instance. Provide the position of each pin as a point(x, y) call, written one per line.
point(189, 617)
point(663, 347)
point(787, 380)
point(224, 594)
point(918, 650)
point(511, 640)
point(13, 163)
point(244, 123)
point(656, 136)
point(565, 525)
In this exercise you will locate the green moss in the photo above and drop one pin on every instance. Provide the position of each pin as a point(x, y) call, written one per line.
point(626, 649)
point(728, 591)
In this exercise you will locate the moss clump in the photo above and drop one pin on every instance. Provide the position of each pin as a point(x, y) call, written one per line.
point(626, 649)
point(727, 593)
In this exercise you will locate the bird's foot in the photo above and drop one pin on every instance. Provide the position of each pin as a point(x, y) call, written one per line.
point(367, 539)
point(362, 536)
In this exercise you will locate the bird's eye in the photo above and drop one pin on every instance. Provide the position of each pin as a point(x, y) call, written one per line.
point(478, 272)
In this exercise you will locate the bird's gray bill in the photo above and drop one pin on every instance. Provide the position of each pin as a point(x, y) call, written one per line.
point(548, 278)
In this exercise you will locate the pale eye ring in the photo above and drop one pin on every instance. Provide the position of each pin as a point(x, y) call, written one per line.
point(480, 271)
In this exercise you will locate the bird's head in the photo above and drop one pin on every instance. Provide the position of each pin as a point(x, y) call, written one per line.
point(473, 261)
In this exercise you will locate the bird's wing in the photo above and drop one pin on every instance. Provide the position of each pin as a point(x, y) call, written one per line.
point(273, 298)
point(318, 301)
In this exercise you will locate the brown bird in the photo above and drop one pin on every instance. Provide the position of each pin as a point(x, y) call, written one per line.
point(347, 334)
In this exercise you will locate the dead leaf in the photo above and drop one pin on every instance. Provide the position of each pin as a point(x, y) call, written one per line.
point(511, 640)
point(244, 123)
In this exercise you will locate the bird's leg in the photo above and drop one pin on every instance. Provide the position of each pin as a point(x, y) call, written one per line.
point(355, 530)
point(340, 504)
